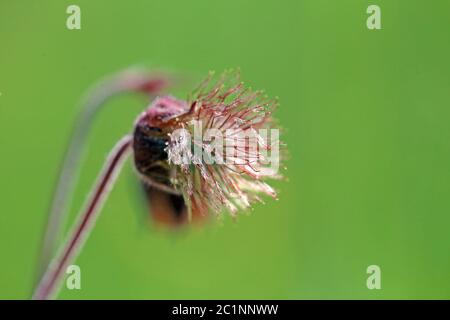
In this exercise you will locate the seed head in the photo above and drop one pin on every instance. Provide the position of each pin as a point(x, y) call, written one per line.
point(231, 173)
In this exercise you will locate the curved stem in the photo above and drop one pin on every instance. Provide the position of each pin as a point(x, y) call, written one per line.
point(51, 279)
point(126, 81)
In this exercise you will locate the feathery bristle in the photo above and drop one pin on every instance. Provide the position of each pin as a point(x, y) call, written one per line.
point(228, 174)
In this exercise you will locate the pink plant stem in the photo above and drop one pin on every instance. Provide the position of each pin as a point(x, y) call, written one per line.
point(51, 279)
point(126, 81)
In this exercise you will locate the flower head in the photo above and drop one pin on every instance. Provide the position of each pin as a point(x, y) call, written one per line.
point(221, 151)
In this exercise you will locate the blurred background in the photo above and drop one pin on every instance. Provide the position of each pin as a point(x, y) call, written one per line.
point(366, 118)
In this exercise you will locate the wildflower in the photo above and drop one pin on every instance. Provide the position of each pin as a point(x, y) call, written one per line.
point(186, 173)
point(236, 114)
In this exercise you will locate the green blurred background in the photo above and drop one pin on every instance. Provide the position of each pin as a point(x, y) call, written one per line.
point(367, 125)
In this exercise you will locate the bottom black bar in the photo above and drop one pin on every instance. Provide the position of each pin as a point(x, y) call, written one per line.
point(225, 309)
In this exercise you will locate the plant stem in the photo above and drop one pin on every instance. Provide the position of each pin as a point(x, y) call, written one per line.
point(125, 81)
point(50, 282)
